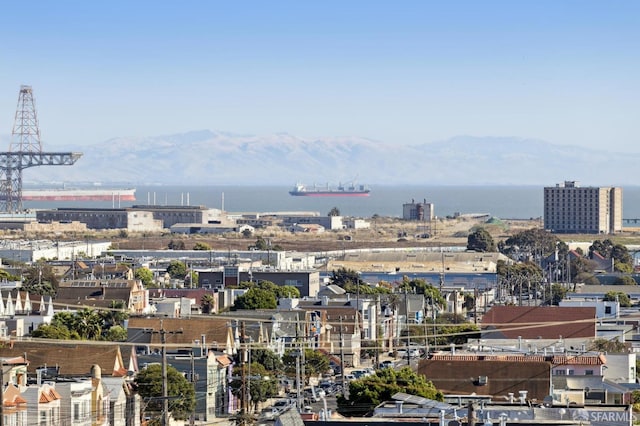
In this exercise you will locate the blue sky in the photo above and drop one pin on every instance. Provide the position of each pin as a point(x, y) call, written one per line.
point(401, 72)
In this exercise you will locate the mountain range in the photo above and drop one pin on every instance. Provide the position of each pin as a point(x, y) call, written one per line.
point(217, 158)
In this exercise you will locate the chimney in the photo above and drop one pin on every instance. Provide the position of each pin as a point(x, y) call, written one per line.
point(399, 406)
point(523, 396)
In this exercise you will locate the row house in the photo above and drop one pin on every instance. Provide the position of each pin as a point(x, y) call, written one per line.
point(210, 340)
point(98, 293)
point(90, 383)
point(19, 315)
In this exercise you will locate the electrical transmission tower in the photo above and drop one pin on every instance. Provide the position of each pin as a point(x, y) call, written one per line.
point(25, 151)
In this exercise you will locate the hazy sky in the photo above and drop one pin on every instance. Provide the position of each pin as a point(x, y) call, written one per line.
point(401, 72)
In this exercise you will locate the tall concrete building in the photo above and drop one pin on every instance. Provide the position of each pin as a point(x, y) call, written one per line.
point(569, 208)
point(417, 211)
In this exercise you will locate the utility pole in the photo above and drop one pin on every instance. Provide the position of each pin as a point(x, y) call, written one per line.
point(344, 383)
point(1, 393)
point(165, 385)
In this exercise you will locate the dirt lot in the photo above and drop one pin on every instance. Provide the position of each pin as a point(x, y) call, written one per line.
point(384, 232)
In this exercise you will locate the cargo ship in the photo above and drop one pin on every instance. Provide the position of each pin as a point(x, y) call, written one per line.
point(301, 190)
point(88, 194)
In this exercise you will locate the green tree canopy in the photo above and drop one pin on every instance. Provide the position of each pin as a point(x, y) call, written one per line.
point(207, 303)
point(268, 359)
point(421, 286)
point(148, 381)
point(558, 292)
point(334, 212)
point(202, 246)
point(40, 278)
point(625, 280)
point(256, 298)
point(531, 244)
point(619, 296)
point(315, 362)
point(51, 331)
point(177, 269)
point(145, 275)
point(262, 383)
point(481, 240)
point(366, 393)
point(623, 261)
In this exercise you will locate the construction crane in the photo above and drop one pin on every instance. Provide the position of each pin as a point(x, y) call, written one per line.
point(25, 151)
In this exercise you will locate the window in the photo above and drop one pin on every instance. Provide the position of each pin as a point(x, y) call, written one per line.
point(588, 373)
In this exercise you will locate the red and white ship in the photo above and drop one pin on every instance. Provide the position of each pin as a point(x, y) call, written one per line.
point(89, 194)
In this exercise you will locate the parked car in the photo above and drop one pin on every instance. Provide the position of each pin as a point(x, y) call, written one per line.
point(387, 364)
point(269, 413)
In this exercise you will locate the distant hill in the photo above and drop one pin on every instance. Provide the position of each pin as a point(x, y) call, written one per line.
point(208, 157)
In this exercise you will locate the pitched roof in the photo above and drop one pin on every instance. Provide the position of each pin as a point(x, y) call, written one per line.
point(545, 322)
point(502, 377)
point(215, 330)
point(73, 359)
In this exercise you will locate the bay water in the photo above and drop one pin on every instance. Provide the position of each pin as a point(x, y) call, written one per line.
point(505, 202)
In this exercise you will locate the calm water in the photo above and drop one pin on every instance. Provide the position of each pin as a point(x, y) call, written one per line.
point(508, 202)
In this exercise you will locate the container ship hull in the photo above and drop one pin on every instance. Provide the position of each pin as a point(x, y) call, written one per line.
point(303, 191)
point(78, 194)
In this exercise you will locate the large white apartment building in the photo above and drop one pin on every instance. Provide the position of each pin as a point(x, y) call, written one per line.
point(570, 208)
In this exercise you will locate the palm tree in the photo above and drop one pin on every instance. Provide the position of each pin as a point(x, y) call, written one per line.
point(88, 324)
point(207, 303)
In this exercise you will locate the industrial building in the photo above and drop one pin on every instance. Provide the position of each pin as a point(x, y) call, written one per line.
point(417, 211)
point(570, 208)
point(136, 218)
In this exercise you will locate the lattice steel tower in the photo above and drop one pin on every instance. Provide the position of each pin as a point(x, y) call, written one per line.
point(25, 151)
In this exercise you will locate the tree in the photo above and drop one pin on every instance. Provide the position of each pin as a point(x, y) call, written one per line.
point(202, 246)
point(315, 362)
point(366, 393)
point(531, 245)
point(262, 384)
point(623, 261)
point(609, 346)
point(625, 280)
point(177, 269)
point(115, 315)
point(481, 240)
point(268, 359)
point(145, 275)
point(182, 400)
point(208, 303)
point(421, 286)
point(51, 331)
point(618, 296)
point(40, 279)
point(334, 212)
point(558, 293)
point(256, 298)
point(117, 333)
point(351, 282)
point(88, 324)
point(176, 245)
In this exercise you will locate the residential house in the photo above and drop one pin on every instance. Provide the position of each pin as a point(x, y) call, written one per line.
point(75, 401)
point(14, 407)
point(210, 332)
point(209, 373)
point(104, 293)
point(43, 404)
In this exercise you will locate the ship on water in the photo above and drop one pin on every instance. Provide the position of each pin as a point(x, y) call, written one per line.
point(350, 190)
point(79, 194)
